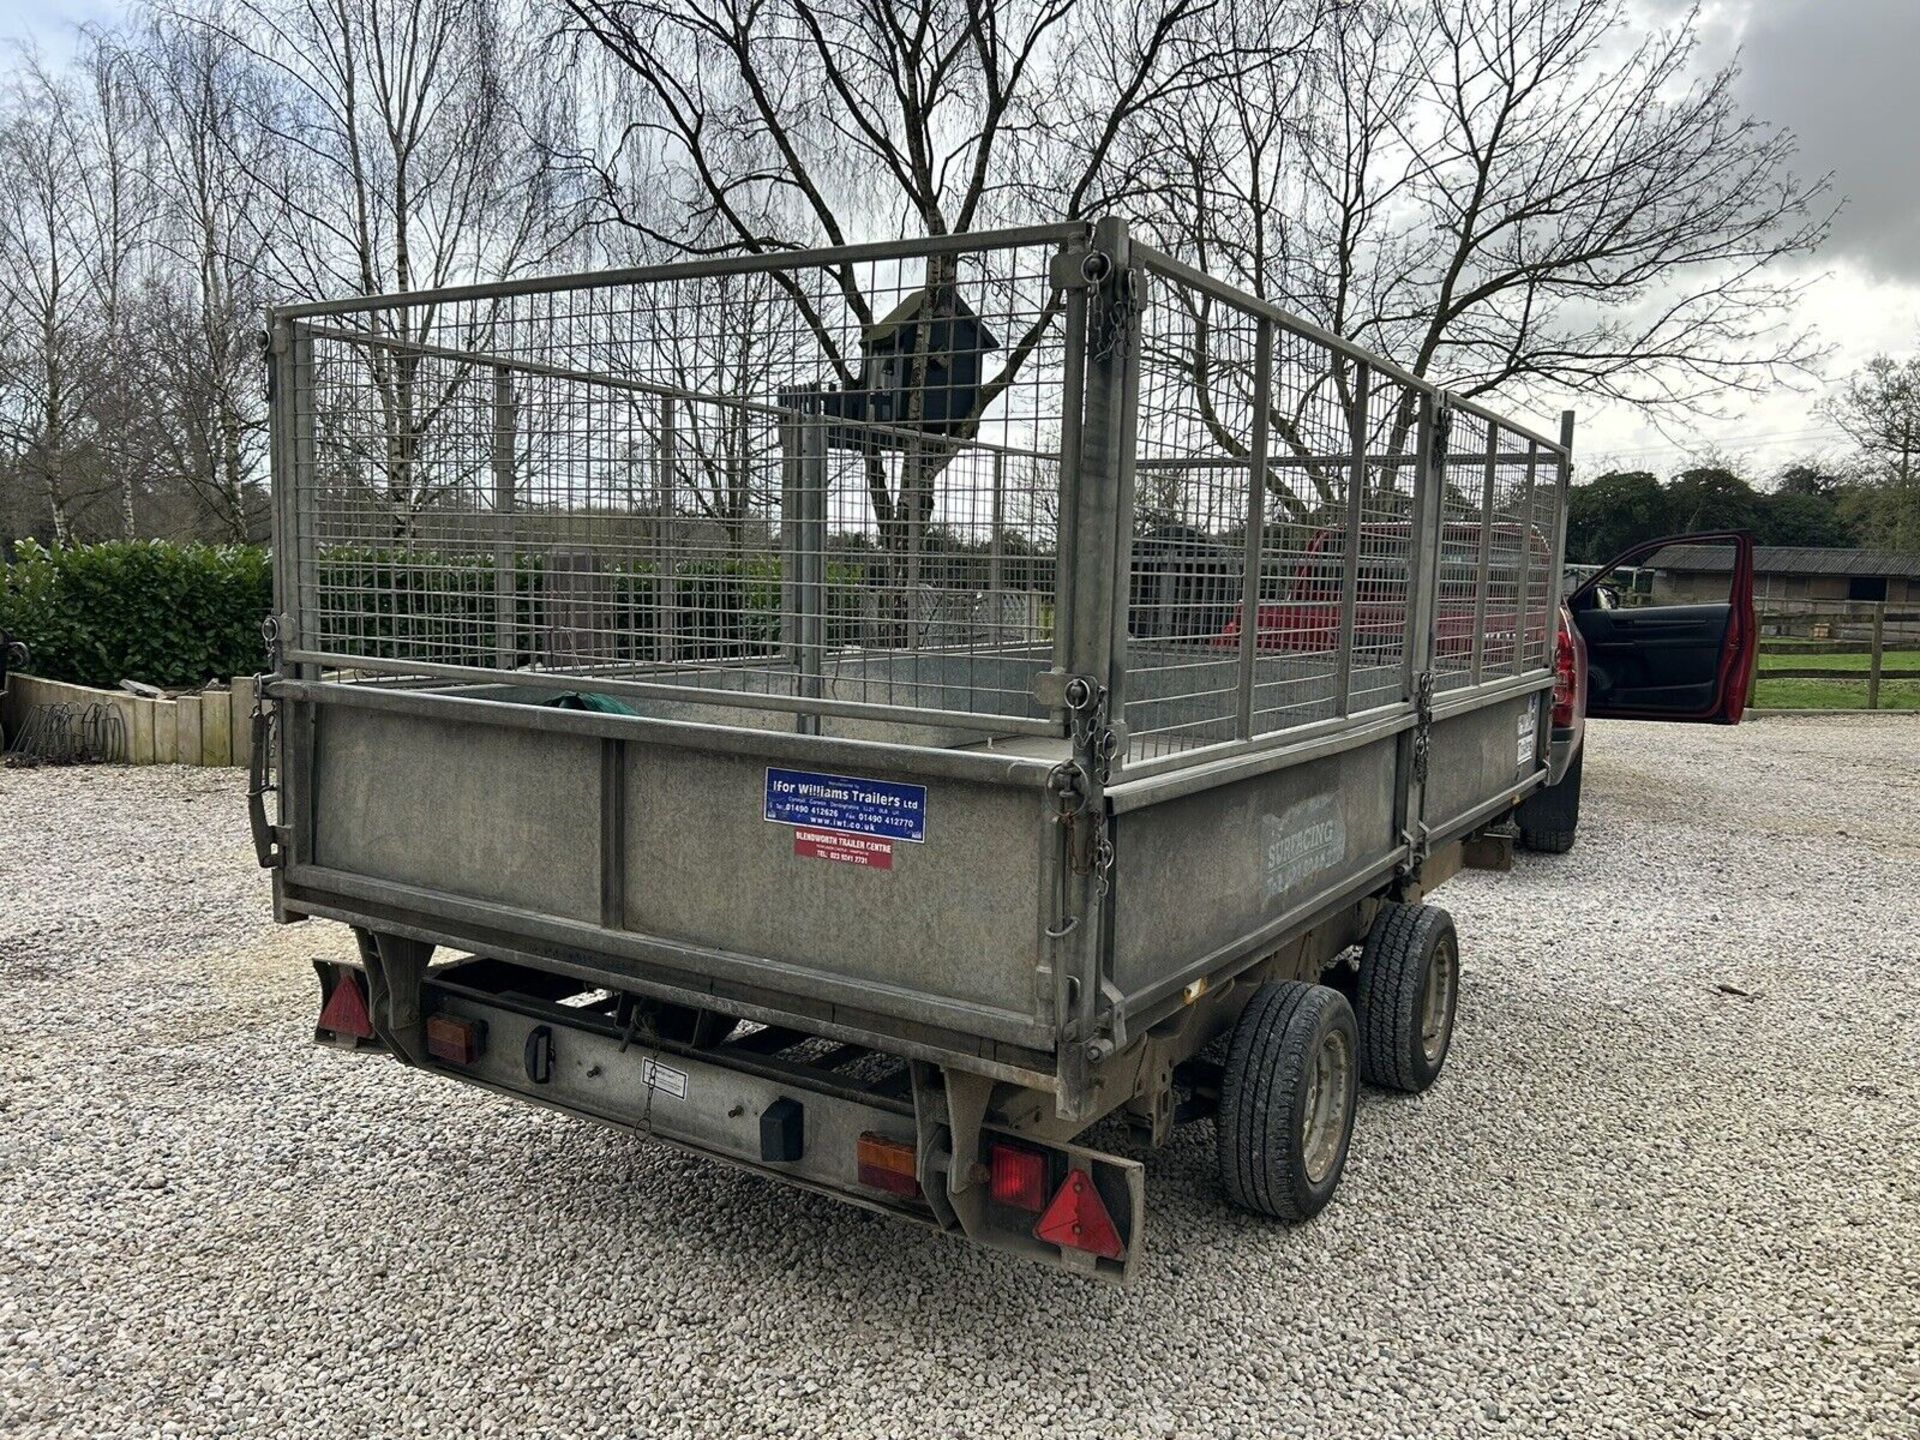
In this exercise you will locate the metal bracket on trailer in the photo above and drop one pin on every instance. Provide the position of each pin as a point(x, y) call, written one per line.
point(1422, 725)
point(269, 840)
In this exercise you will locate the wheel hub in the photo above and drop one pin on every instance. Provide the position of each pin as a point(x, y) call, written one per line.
point(1436, 1001)
point(1323, 1121)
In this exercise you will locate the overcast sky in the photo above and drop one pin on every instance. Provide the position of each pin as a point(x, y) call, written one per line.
point(1839, 73)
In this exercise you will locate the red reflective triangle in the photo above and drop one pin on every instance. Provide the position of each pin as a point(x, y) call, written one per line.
point(1078, 1220)
point(345, 1012)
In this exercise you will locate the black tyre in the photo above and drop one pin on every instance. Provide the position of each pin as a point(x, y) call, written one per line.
point(1408, 992)
point(1549, 817)
point(1286, 1100)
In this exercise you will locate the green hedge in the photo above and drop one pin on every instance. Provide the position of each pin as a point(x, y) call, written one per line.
point(179, 615)
point(440, 605)
point(174, 615)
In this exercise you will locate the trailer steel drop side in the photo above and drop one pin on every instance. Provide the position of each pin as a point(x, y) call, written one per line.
point(874, 715)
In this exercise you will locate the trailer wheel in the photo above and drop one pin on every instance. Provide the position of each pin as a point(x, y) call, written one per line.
point(1408, 991)
point(1548, 818)
point(1287, 1098)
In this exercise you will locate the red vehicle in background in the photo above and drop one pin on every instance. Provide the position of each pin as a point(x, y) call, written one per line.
point(1689, 660)
point(1307, 616)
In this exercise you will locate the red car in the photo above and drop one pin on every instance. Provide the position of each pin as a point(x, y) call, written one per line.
point(1307, 619)
point(1690, 662)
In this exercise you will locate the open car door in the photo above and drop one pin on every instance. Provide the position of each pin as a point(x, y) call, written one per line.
point(1669, 630)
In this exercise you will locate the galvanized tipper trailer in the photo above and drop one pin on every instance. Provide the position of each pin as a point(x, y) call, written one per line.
point(812, 708)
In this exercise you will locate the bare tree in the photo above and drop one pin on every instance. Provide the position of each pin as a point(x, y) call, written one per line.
point(718, 455)
point(399, 163)
point(1879, 408)
point(761, 127)
point(1506, 195)
point(201, 98)
point(46, 325)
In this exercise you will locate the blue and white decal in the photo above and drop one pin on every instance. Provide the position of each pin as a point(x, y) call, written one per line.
point(881, 808)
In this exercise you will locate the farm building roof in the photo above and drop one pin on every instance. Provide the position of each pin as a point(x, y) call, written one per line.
point(1793, 560)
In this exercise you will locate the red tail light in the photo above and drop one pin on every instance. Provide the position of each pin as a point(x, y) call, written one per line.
point(889, 1165)
point(1019, 1178)
point(1078, 1220)
point(1566, 678)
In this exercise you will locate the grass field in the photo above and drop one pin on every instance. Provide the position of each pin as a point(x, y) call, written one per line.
point(1836, 694)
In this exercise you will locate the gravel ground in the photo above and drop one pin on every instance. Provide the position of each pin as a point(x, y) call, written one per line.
point(1669, 1185)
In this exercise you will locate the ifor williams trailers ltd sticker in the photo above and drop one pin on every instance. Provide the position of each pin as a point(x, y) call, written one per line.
point(845, 818)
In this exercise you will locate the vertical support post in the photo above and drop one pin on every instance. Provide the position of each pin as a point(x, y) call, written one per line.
point(1350, 552)
point(1879, 653)
point(1483, 570)
point(1256, 527)
point(1093, 608)
point(1562, 490)
point(791, 427)
point(911, 462)
point(1521, 619)
point(1073, 390)
point(1423, 538)
point(996, 549)
point(279, 358)
point(1416, 670)
point(1564, 481)
point(294, 481)
point(301, 507)
point(810, 594)
point(506, 639)
point(666, 569)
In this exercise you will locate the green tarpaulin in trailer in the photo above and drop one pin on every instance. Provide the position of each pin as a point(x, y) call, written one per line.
point(580, 700)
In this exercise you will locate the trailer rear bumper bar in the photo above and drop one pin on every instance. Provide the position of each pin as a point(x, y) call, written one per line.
point(782, 1104)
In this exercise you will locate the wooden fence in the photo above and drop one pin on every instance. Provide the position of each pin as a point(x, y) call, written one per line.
point(1868, 628)
point(210, 727)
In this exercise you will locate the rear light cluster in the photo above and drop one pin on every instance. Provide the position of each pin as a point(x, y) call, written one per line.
point(1017, 1178)
point(1566, 680)
point(1074, 1218)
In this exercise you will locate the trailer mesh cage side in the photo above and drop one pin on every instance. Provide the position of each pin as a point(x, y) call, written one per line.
point(829, 489)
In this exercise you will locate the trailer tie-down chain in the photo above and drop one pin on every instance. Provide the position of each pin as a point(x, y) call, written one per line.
point(1116, 318)
point(1422, 725)
point(1073, 784)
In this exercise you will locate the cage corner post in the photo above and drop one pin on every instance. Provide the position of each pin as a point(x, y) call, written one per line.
point(506, 639)
point(1416, 670)
point(1099, 505)
point(1256, 531)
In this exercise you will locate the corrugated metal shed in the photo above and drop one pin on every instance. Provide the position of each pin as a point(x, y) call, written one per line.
point(1791, 560)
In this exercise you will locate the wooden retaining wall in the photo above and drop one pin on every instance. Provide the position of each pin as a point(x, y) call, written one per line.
point(213, 727)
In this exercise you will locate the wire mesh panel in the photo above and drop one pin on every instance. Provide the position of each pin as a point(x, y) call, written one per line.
point(831, 483)
point(1193, 508)
point(1292, 587)
point(836, 483)
point(1261, 604)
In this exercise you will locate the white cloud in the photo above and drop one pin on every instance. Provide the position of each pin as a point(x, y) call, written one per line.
point(1838, 73)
